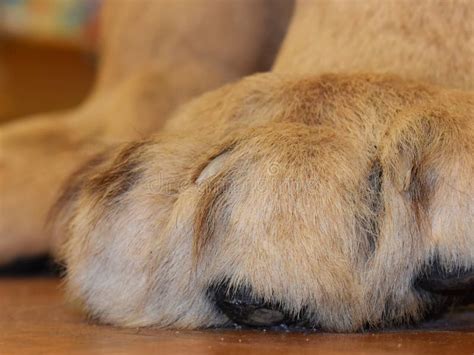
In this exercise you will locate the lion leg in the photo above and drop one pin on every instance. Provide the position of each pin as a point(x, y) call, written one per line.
point(155, 56)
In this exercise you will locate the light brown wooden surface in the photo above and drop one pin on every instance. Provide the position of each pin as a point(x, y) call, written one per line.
point(35, 320)
point(36, 77)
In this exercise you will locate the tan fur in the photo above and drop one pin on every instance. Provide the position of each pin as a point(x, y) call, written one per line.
point(325, 193)
point(155, 55)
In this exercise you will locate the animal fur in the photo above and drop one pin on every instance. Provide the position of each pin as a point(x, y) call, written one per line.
point(327, 186)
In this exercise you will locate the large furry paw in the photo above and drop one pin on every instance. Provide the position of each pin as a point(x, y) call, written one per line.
point(336, 202)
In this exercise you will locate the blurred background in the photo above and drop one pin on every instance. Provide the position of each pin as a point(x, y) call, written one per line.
point(47, 54)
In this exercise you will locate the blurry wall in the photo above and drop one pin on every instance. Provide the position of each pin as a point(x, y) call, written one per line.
point(47, 54)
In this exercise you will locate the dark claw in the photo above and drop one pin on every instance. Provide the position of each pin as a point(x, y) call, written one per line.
point(456, 283)
point(242, 308)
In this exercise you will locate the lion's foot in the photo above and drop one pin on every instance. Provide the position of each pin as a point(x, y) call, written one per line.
point(324, 201)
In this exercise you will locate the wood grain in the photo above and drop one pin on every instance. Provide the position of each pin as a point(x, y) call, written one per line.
point(35, 320)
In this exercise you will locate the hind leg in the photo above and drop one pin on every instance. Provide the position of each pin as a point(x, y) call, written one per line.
point(155, 56)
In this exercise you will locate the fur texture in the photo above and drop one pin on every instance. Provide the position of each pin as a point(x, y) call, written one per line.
point(327, 196)
point(280, 196)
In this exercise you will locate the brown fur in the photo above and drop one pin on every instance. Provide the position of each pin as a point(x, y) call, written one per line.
point(327, 194)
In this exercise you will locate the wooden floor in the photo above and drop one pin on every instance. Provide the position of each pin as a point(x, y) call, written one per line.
point(35, 320)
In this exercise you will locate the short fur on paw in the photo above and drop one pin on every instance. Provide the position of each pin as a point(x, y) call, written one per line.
point(321, 200)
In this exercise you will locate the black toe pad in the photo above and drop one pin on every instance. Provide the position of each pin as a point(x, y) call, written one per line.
point(455, 283)
point(244, 309)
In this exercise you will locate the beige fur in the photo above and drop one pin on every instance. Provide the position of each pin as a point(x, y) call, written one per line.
point(328, 194)
point(151, 62)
